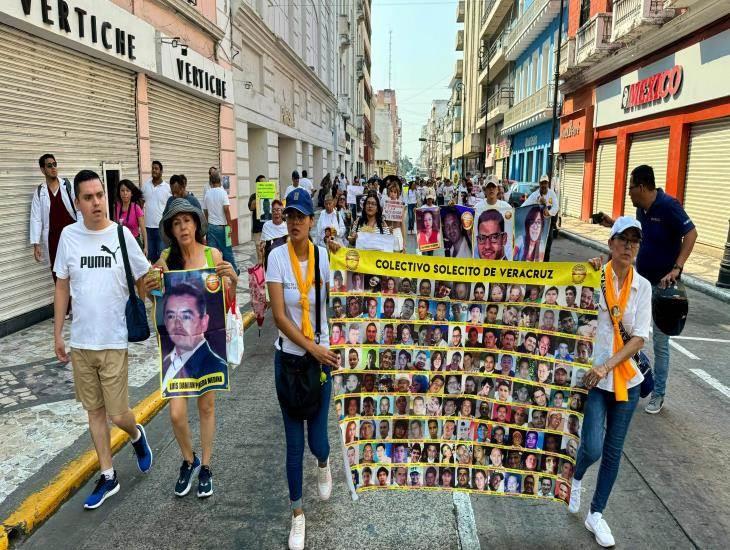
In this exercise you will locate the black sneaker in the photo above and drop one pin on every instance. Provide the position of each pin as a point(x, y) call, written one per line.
point(187, 472)
point(205, 482)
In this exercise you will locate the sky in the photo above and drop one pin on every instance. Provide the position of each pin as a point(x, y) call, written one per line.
point(423, 57)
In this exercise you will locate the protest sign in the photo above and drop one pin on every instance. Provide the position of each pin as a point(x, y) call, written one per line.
point(393, 211)
point(459, 373)
point(191, 333)
point(266, 193)
point(457, 225)
point(352, 193)
point(373, 240)
point(494, 234)
point(531, 233)
point(428, 228)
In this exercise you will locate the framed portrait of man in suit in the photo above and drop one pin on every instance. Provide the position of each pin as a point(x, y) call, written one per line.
point(190, 319)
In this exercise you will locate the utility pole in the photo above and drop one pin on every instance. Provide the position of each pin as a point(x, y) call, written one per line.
point(551, 153)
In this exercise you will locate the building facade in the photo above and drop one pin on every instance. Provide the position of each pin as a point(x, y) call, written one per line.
point(388, 129)
point(667, 105)
point(285, 60)
point(108, 86)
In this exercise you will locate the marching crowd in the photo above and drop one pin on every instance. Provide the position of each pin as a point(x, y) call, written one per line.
point(74, 226)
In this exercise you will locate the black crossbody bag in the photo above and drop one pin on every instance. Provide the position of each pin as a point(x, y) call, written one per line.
point(299, 382)
point(137, 328)
point(641, 359)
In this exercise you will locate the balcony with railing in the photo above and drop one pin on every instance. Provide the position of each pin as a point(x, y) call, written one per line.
point(460, 40)
point(631, 18)
point(499, 103)
point(458, 70)
point(567, 64)
point(495, 55)
point(494, 13)
point(460, 11)
point(529, 25)
point(531, 111)
point(593, 40)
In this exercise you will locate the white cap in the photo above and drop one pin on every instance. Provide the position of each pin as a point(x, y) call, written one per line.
point(623, 223)
point(430, 193)
point(544, 177)
point(492, 180)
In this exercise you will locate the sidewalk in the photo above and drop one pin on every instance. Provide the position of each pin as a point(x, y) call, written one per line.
point(42, 425)
point(700, 271)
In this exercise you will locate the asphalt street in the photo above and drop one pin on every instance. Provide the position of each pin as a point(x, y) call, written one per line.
point(672, 490)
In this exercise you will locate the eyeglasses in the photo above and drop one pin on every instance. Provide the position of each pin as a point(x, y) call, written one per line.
point(494, 238)
point(51, 165)
point(628, 243)
point(296, 218)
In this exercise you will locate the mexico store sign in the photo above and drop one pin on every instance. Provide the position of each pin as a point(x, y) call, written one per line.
point(97, 27)
point(692, 75)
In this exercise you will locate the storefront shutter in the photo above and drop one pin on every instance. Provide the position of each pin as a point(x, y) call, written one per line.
point(650, 148)
point(183, 134)
point(52, 100)
point(605, 173)
point(571, 184)
point(707, 192)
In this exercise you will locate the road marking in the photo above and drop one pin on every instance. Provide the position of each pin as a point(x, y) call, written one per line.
point(714, 382)
point(466, 525)
point(698, 339)
point(683, 350)
point(678, 347)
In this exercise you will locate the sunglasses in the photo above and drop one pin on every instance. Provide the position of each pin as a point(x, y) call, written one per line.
point(51, 165)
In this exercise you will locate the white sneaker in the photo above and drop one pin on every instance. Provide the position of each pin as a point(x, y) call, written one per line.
point(296, 534)
point(600, 529)
point(324, 481)
point(574, 504)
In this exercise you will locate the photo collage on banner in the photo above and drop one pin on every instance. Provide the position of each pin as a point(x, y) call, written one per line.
point(459, 374)
point(191, 333)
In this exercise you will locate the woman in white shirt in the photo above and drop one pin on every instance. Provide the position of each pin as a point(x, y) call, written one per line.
point(614, 381)
point(274, 231)
point(412, 201)
point(290, 281)
point(396, 228)
point(329, 219)
point(371, 220)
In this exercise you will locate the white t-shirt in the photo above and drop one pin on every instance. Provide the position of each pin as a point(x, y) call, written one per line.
point(292, 188)
point(214, 201)
point(550, 199)
point(499, 205)
point(279, 271)
point(155, 199)
point(272, 231)
point(306, 183)
point(93, 261)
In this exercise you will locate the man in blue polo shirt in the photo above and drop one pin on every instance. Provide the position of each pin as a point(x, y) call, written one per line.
point(668, 238)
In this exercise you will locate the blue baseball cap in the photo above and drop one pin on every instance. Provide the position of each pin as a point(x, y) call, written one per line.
point(300, 200)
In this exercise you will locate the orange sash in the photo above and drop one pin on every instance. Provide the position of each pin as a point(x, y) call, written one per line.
point(616, 308)
point(304, 285)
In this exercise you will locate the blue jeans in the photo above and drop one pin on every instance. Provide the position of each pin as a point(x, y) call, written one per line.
point(661, 361)
point(217, 239)
point(606, 443)
point(411, 216)
point(316, 436)
point(154, 244)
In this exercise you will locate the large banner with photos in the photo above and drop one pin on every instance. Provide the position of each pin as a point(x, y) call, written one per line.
point(461, 374)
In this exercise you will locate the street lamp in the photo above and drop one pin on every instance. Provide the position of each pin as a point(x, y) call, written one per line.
point(459, 87)
point(551, 153)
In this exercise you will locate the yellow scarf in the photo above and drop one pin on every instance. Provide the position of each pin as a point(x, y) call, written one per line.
point(616, 307)
point(303, 286)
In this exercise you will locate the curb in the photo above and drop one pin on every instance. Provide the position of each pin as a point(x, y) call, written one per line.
point(41, 505)
point(690, 281)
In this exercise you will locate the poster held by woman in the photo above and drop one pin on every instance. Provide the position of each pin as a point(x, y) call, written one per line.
point(531, 234)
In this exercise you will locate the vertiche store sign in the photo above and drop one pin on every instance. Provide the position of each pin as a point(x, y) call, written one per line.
point(97, 26)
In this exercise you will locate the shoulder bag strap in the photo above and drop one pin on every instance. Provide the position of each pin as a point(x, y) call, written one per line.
point(317, 296)
point(127, 268)
point(67, 185)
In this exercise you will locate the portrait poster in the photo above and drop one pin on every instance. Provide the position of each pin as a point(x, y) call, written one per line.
point(531, 233)
point(373, 240)
point(191, 333)
point(457, 227)
point(493, 232)
point(352, 193)
point(461, 374)
point(359, 204)
point(393, 210)
point(428, 228)
point(266, 193)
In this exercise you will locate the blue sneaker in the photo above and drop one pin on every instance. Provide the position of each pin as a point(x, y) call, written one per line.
point(143, 451)
point(187, 471)
point(205, 482)
point(103, 490)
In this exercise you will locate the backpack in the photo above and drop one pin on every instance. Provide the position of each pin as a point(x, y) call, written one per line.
point(67, 185)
